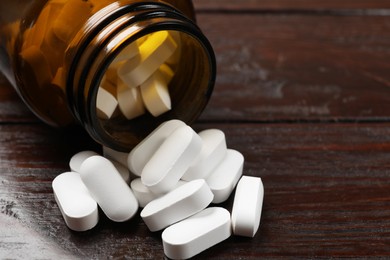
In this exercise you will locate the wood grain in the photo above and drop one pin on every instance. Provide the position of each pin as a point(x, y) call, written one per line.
point(284, 5)
point(326, 193)
point(302, 91)
point(272, 71)
point(299, 67)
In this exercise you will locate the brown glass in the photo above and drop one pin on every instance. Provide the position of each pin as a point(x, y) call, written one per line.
point(88, 51)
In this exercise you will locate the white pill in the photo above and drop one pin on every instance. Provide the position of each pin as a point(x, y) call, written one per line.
point(142, 153)
point(175, 58)
point(108, 85)
point(127, 53)
point(143, 194)
point(155, 95)
point(78, 208)
point(108, 101)
point(196, 233)
point(108, 188)
point(106, 104)
point(130, 101)
point(117, 156)
point(212, 154)
point(247, 206)
point(177, 205)
point(224, 178)
point(123, 171)
point(167, 73)
point(171, 160)
point(78, 159)
point(111, 74)
point(157, 48)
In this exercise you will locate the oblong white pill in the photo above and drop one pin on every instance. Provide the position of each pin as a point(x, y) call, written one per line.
point(143, 194)
point(106, 104)
point(117, 156)
point(157, 48)
point(78, 208)
point(213, 152)
point(171, 160)
point(155, 95)
point(123, 171)
point(167, 73)
point(224, 178)
point(196, 233)
point(180, 203)
point(108, 188)
point(247, 206)
point(127, 53)
point(142, 153)
point(130, 101)
point(77, 159)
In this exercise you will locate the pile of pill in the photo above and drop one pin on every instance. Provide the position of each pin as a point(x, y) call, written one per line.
point(177, 175)
point(136, 81)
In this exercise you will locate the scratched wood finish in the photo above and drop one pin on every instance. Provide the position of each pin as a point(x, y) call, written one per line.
point(302, 92)
point(289, 67)
point(283, 5)
point(324, 185)
point(300, 67)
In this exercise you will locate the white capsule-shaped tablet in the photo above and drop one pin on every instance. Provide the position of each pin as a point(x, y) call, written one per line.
point(106, 104)
point(180, 203)
point(123, 171)
point(108, 188)
point(196, 233)
point(143, 194)
point(142, 153)
point(78, 159)
point(78, 208)
point(224, 178)
point(247, 206)
point(127, 53)
point(171, 160)
point(117, 156)
point(175, 58)
point(167, 73)
point(157, 48)
point(213, 152)
point(130, 101)
point(155, 95)
point(111, 74)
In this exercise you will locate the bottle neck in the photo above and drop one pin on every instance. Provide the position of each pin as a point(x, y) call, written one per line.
point(105, 37)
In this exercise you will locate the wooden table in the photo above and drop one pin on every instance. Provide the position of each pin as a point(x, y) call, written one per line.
point(303, 91)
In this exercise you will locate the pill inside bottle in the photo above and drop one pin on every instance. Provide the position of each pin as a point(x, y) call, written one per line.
point(117, 68)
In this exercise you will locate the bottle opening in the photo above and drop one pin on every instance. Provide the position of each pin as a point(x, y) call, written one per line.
point(162, 75)
point(118, 68)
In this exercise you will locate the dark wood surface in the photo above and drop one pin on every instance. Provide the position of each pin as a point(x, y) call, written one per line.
point(303, 91)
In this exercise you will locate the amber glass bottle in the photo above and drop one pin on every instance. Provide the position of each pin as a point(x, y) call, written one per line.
point(118, 68)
